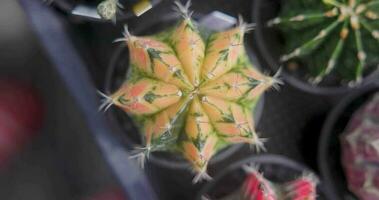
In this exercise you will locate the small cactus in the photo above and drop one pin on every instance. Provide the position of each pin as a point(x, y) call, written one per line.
point(191, 94)
point(107, 9)
point(340, 36)
point(360, 151)
point(257, 187)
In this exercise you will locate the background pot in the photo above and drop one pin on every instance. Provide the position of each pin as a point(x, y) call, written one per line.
point(269, 44)
point(274, 167)
point(87, 9)
point(329, 159)
point(160, 163)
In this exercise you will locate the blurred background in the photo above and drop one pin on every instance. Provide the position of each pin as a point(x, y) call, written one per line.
point(56, 158)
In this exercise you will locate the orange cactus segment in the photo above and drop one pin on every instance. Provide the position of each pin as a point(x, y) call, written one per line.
point(200, 144)
point(231, 86)
point(217, 109)
point(200, 157)
point(149, 131)
point(209, 147)
point(140, 47)
point(229, 119)
point(191, 153)
point(169, 69)
point(222, 53)
point(262, 82)
point(197, 122)
point(190, 49)
point(146, 96)
point(158, 60)
point(163, 124)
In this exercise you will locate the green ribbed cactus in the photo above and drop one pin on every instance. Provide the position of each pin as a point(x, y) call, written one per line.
point(331, 36)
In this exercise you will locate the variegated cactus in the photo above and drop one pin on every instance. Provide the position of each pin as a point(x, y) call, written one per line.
point(339, 36)
point(360, 151)
point(191, 94)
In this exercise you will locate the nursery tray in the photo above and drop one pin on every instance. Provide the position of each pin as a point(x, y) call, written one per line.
point(291, 119)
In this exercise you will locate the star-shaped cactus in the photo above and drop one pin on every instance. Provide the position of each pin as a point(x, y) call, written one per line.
point(331, 35)
point(191, 94)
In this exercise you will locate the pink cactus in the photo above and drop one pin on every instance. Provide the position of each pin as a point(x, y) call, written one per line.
point(360, 151)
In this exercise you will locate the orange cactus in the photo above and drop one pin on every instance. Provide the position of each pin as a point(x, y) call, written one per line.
point(192, 96)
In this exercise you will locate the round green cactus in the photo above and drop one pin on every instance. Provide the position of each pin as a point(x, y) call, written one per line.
point(339, 36)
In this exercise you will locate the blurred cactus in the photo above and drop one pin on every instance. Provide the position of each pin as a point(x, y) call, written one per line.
point(21, 117)
point(360, 151)
point(340, 36)
point(107, 9)
point(191, 94)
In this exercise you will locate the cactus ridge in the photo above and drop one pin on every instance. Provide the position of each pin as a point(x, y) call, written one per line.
point(342, 17)
point(191, 94)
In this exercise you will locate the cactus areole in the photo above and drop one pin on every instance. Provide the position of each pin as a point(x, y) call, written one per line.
point(339, 37)
point(191, 94)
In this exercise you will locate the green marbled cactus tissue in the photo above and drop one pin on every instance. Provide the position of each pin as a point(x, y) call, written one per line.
point(332, 37)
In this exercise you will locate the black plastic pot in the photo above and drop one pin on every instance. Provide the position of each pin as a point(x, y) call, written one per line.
point(269, 44)
point(329, 159)
point(115, 76)
point(276, 168)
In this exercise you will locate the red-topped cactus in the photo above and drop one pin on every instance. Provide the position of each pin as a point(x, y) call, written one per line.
point(191, 94)
point(257, 187)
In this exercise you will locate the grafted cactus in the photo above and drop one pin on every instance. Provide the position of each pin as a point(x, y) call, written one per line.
point(340, 36)
point(191, 94)
point(360, 151)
